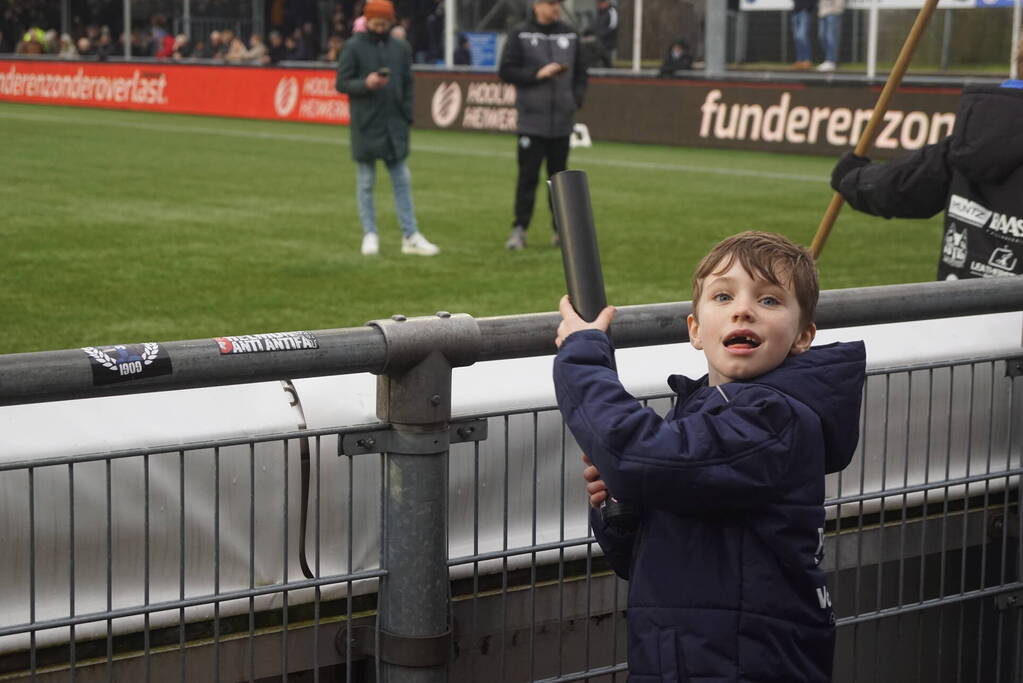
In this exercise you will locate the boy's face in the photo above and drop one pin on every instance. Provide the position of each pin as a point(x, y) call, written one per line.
point(747, 327)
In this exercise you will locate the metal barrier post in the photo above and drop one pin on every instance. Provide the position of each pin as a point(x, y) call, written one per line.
point(414, 396)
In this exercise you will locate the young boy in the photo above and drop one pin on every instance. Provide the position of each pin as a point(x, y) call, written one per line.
point(723, 570)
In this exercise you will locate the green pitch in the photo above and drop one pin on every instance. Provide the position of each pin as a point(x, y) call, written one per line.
point(120, 227)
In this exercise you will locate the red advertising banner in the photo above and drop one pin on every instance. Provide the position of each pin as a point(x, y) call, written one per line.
point(256, 93)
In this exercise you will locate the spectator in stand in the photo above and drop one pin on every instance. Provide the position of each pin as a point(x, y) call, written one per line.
point(165, 50)
point(593, 49)
point(182, 47)
point(33, 42)
point(67, 47)
point(339, 22)
point(212, 46)
point(359, 25)
point(310, 40)
point(678, 59)
point(277, 51)
point(256, 54)
point(381, 111)
point(334, 46)
point(292, 50)
point(141, 46)
point(236, 51)
point(463, 55)
point(435, 33)
point(607, 30)
point(829, 31)
point(51, 42)
point(406, 25)
point(160, 47)
point(105, 45)
point(85, 48)
point(802, 14)
point(398, 32)
point(92, 33)
point(226, 38)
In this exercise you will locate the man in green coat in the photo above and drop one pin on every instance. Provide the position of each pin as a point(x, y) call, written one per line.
point(375, 71)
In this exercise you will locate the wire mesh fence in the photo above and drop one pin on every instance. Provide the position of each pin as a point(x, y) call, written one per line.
point(242, 559)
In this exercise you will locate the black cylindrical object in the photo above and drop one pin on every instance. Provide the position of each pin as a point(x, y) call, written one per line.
point(573, 216)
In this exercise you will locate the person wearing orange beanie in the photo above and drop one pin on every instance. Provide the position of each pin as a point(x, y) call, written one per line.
point(375, 71)
point(379, 9)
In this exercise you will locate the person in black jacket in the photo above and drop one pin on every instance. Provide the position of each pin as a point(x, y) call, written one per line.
point(542, 58)
point(607, 30)
point(678, 59)
point(975, 175)
point(724, 573)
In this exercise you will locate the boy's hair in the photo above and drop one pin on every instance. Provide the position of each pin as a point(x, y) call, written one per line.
point(765, 256)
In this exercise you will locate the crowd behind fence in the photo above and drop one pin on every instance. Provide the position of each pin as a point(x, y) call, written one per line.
point(960, 40)
point(424, 545)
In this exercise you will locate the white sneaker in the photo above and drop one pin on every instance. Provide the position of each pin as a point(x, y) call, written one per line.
point(826, 66)
point(418, 244)
point(370, 244)
point(517, 239)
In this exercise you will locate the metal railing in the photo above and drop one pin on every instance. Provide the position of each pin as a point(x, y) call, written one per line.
point(486, 564)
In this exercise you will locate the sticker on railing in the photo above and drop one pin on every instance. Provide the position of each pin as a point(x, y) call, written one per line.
point(263, 343)
point(126, 362)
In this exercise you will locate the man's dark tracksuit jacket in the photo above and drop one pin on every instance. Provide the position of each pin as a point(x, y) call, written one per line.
point(546, 108)
point(724, 582)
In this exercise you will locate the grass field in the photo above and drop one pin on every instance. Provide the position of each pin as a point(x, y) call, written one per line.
point(120, 227)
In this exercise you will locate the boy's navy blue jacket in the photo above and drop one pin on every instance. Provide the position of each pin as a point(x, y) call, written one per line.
point(724, 583)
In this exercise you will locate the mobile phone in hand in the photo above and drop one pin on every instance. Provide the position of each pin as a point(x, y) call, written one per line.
point(384, 71)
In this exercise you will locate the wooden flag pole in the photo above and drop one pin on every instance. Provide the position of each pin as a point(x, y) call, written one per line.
point(867, 137)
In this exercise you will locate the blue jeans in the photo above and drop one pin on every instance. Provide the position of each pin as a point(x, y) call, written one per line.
point(401, 186)
point(801, 35)
point(829, 33)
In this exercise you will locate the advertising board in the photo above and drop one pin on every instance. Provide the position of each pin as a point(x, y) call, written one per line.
point(256, 93)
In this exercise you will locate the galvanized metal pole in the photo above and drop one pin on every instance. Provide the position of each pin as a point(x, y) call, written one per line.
point(872, 40)
point(946, 39)
point(450, 17)
point(65, 16)
point(127, 29)
point(637, 34)
point(741, 24)
point(1015, 59)
point(716, 38)
point(258, 18)
point(414, 396)
point(186, 17)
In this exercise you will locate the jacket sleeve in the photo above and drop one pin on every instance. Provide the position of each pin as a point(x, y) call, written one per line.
point(730, 457)
point(348, 80)
point(579, 76)
point(913, 186)
point(512, 68)
point(617, 546)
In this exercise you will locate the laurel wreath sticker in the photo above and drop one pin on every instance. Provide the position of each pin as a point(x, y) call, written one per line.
point(100, 357)
point(123, 362)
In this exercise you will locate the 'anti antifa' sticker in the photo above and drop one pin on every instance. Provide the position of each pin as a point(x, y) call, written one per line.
point(126, 362)
point(262, 343)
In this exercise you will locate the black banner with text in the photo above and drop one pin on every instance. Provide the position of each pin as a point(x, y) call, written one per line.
point(779, 117)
